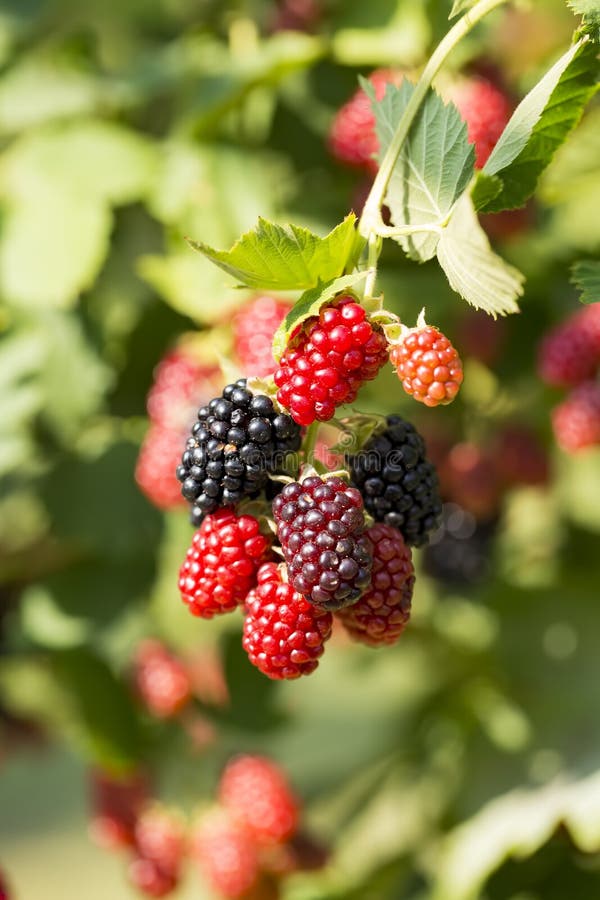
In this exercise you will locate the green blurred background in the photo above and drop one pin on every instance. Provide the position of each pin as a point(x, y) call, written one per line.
point(465, 761)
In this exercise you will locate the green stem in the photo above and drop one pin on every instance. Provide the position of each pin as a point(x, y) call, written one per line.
point(308, 445)
point(371, 221)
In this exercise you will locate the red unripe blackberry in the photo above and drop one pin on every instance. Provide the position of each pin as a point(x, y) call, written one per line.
point(238, 440)
point(155, 467)
point(116, 804)
point(221, 565)
point(160, 837)
point(284, 634)
point(472, 479)
point(161, 680)
point(520, 458)
point(485, 109)
point(428, 366)
point(181, 384)
point(570, 353)
point(480, 336)
point(253, 329)
point(296, 15)
point(576, 421)
point(4, 894)
point(320, 526)
point(381, 614)
point(147, 877)
point(257, 793)
point(352, 138)
point(226, 854)
point(328, 359)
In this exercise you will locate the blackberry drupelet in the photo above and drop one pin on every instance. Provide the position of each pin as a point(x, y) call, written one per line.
point(398, 483)
point(238, 440)
point(320, 525)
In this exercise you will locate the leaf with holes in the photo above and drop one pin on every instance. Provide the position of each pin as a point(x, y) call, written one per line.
point(473, 269)
point(538, 126)
point(288, 257)
point(586, 276)
point(309, 305)
point(433, 169)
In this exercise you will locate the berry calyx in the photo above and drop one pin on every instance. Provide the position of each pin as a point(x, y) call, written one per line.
point(284, 634)
point(398, 484)
point(257, 793)
point(352, 138)
point(381, 614)
point(428, 366)
point(238, 440)
point(328, 359)
point(221, 565)
point(226, 854)
point(320, 525)
point(161, 680)
point(485, 109)
point(576, 421)
point(253, 329)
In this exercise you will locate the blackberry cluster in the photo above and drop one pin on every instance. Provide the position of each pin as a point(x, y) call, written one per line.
point(398, 484)
point(238, 439)
point(320, 525)
point(459, 552)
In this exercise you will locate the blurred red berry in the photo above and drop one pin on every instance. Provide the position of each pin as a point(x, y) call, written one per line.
point(480, 336)
point(296, 15)
point(382, 613)
point(181, 384)
point(352, 138)
point(284, 634)
point(221, 565)
point(226, 854)
point(472, 479)
point(155, 469)
point(147, 877)
point(4, 893)
point(570, 353)
point(486, 110)
point(116, 804)
point(507, 224)
point(521, 459)
point(576, 421)
point(160, 837)
point(253, 329)
point(428, 366)
point(257, 793)
point(328, 359)
point(161, 680)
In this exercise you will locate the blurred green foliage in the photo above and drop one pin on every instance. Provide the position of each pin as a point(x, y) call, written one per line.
point(463, 762)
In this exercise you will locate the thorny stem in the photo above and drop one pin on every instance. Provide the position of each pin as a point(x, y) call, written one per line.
point(371, 224)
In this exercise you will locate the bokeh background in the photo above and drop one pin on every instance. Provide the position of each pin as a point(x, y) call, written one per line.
point(465, 761)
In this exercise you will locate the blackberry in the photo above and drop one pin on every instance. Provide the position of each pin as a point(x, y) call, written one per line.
point(398, 483)
point(238, 440)
point(257, 794)
point(320, 525)
point(459, 551)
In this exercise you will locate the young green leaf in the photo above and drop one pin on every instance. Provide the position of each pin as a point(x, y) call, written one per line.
point(309, 305)
point(473, 270)
point(287, 257)
point(590, 10)
point(433, 169)
point(586, 276)
point(537, 128)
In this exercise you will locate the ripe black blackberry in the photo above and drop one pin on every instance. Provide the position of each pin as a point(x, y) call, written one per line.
point(238, 440)
point(320, 525)
point(459, 553)
point(398, 483)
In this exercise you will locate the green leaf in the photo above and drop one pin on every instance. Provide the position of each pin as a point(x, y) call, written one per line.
point(590, 10)
point(539, 125)
point(473, 269)
point(586, 275)
point(108, 723)
point(287, 257)
point(309, 305)
point(433, 169)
